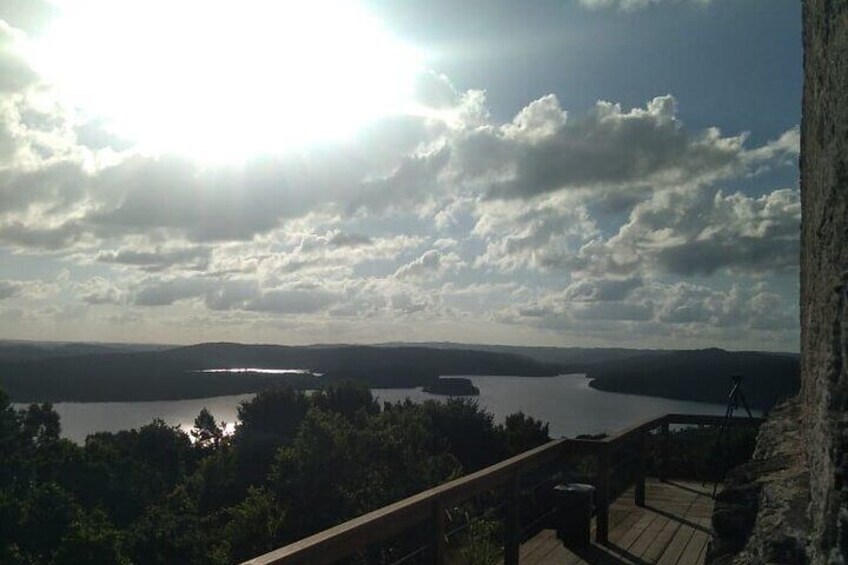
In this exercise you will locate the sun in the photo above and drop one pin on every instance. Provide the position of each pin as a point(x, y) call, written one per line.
point(226, 80)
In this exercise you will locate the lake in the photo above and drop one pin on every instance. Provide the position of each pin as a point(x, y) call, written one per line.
point(566, 402)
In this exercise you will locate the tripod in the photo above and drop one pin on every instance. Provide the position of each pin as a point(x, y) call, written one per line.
point(734, 399)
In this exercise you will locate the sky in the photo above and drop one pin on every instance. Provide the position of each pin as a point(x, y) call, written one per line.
point(531, 172)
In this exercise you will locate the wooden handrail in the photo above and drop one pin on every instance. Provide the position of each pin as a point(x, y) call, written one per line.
point(342, 540)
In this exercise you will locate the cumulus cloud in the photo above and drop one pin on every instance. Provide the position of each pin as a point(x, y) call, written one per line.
point(168, 291)
point(597, 289)
point(381, 227)
point(33, 289)
point(291, 301)
point(545, 233)
point(158, 258)
point(236, 294)
point(99, 291)
point(542, 150)
point(430, 265)
point(656, 308)
point(697, 233)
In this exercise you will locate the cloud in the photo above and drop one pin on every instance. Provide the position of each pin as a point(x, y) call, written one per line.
point(159, 258)
point(430, 265)
point(612, 311)
point(236, 294)
point(597, 289)
point(291, 301)
point(657, 308)
point(15, 74)
point(28, 15)
point(579, 222)
point(33, 289)
point(545, 233)
point(542, 150)
point(8, 289)
point(629, 5)
point(99, 291)
point(168, 291)
point(697, 233)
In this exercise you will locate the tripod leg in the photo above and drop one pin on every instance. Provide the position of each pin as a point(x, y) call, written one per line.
point(745, 404)
point(720, 440)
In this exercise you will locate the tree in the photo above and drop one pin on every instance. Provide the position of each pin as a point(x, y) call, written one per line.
point(523, 432)
point(467, 430)
point(348, 398)
point(46, 512)
point(91, 538)
point(173, 532)
point(206, 432)
point(269, 421)
point(255, 525)
point(40, 423)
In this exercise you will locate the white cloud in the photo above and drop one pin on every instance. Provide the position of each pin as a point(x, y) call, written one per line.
point(429, 266)
point(400, 222)
point(542, 151)
point(690, 232)
point(545, 233)
point(100, 291)
point(158, 258)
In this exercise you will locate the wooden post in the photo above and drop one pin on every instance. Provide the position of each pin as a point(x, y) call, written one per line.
point(512, 521)
point(603, 487)
point(438, 549)
point(666, 441)
point(640, 469)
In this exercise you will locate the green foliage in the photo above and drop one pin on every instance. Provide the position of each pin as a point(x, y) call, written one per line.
point(40, 423)
point(255, 525)
point(269, 421)
point(171, 532)
point(481, 544)
point(44, 515)
point(348, 398)
point(702, 452)
point(294, 466)
point(91, 538)
point(206, 431)
point(467, 430)
point(523, 432)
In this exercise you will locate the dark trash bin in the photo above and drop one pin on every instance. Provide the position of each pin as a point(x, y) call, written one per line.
point(575, 505)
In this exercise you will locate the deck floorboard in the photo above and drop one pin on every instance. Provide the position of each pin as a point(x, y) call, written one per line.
point(672, 529)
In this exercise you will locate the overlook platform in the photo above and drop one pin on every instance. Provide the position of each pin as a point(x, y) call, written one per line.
point(672, 528)
point(653, 521)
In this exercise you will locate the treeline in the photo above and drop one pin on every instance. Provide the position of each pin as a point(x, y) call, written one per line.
point(174, 373)
point(703, 375)
point(294, 466)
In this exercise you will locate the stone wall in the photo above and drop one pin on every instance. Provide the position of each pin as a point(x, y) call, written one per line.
point(824, 260)
point(797, 484)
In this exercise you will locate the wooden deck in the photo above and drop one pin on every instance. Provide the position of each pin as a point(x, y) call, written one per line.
point(672, 529)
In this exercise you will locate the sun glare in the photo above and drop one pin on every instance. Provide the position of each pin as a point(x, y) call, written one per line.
point(224, 80)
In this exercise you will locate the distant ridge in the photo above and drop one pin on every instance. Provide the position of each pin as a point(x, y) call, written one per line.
point(703, 375)
point(100, 372)
point(173, 373)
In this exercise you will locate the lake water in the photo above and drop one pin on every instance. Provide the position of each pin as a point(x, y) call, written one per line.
point(566, 402)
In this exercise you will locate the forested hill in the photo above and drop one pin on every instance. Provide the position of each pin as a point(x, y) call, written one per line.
point(702, 375)
point(173, 373)
point(86, 372)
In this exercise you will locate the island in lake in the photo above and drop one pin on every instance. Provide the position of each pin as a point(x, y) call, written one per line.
point(452, 387)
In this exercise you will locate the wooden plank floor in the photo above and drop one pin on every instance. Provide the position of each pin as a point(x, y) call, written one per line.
point(672, 529)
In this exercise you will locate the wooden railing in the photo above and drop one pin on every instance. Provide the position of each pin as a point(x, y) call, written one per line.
point(430, 505)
